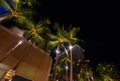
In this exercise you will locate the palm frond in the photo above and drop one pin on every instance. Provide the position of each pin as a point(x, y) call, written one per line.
point(65, 40)
point(73, 32)
point(52, 37)
point(37, 37)
point(51, 44)
point(6, 5)
point(25, 22)
point(17, 4)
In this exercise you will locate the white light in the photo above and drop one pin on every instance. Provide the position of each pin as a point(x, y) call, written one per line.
point(70, 47)
point(20, 42)
point(57, 51)
point(66, 67)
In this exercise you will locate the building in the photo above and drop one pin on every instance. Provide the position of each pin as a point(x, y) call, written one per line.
point(29, 62)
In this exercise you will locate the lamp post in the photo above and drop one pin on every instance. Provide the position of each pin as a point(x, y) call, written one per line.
point(71, 63)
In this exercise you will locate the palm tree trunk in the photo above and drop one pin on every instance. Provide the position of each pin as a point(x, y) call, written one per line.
point(55, 65)
point(66, 71)
point(66, 63)
point(71, 66)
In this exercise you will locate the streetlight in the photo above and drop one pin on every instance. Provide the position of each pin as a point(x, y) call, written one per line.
point(71, 58)
point(70, 47)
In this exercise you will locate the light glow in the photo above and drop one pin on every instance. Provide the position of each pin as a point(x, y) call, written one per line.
point(66, 67)
point(70, 47)
point(57, 51)
point(20, 42)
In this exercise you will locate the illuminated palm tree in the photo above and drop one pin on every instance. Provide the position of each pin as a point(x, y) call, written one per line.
point(72, 37)
point(62, 36)
point(58, 40)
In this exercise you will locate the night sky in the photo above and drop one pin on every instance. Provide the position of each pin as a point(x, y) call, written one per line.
point(101, 43)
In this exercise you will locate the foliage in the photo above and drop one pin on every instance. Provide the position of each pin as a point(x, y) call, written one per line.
point(62, 35)
point(103, 72)
point(23, 13)
point(36, 31)
point(86, 74)
point(106, 72)
point(17, 9)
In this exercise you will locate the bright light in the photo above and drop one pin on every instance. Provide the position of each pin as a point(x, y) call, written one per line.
point(70, 47)
point(66, 67)
point(20, 42)
point(57, 51)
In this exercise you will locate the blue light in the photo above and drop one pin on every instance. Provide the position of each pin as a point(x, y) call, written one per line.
point(3, 10)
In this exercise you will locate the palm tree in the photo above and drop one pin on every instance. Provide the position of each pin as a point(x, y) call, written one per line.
point(62, 36)
point(16, 8)
point(58, 40)
point(33, 32)
point(106, 72)
point(86, 74)
point(72, 37)
point(61, 66)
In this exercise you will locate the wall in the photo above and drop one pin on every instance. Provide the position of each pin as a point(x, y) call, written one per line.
point(36, 63)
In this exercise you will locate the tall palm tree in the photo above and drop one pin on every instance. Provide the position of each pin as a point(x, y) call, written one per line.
point(63, 36)
point(58, 40)
point(72, 37)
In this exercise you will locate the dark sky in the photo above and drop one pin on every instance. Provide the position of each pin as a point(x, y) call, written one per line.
point(100, 42)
